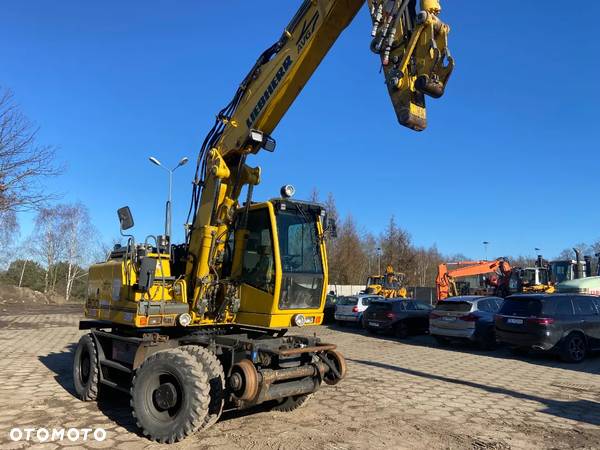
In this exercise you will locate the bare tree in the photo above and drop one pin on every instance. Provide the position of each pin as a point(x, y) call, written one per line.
point(23, 163)
point(48, 243)
point(77, 234)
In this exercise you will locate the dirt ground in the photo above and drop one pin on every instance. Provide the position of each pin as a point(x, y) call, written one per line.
point(406, 394)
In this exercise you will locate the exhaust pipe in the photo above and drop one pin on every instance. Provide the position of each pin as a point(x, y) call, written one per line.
point(540, 261)
point(588, 266)
point(578, 265)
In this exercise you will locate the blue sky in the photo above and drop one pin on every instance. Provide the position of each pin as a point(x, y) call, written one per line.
point(510, 155)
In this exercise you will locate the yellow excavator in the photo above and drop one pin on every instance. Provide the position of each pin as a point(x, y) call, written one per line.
point(191, 329)
point(389, 285)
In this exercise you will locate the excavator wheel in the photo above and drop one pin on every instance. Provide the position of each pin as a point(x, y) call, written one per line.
point(216, 381)
point(292, 403)
point(170, 396)
point(86, 369)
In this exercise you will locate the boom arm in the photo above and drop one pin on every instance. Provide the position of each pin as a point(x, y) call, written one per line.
point(415, 59)
point(445, 277)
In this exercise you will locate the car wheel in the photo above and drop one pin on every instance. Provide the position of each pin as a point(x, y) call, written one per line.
point(442, 341)
point(574, 348)
point(519, 351)
point(401, 330)
point(487, 341)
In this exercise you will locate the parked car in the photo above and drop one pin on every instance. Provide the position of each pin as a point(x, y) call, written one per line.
point(329, 309)
point(469, 317)
point(568, 324)
point(350, 309)
point(401, 316)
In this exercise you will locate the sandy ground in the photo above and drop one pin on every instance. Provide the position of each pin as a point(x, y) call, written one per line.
point(398, 394)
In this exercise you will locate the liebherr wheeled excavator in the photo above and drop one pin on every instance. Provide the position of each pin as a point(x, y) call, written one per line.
point(192, 329)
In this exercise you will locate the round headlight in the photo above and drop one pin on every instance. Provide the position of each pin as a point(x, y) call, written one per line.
point(184, 319)
point(287, 191)
point(299, 320)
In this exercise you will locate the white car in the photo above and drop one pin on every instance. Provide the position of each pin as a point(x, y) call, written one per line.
point(352, 307)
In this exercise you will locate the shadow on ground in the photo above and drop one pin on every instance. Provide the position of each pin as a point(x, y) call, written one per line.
point(112, 403)
point(565, 409)
point(590, 365)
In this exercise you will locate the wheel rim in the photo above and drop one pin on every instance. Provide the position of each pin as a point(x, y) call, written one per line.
point(164, 396)
point(85, 366)
point(577, 348)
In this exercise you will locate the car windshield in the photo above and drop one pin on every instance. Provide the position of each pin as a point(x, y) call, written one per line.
point(347, 301)
point(453, 306)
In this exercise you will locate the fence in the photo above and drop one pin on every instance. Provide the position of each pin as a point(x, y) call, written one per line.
point(423, 294)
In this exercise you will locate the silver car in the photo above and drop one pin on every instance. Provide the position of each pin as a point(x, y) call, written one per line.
point(469, 317)
point(352, 307)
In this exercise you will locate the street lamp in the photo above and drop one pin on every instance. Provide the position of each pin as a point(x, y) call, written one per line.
point(168, 208)
point(485, 246)
point(378, 260)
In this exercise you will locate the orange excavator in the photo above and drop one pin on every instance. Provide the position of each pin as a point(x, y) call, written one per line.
point(448, 284)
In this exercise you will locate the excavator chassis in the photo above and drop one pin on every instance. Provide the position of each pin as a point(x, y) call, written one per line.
point(218, 367)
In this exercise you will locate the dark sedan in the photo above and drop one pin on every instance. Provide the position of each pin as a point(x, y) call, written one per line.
point(400, 317)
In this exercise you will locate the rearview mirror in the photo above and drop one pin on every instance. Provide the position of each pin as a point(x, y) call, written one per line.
point(125, 218)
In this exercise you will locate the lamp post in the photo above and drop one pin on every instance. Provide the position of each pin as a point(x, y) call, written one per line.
point(378, 260)
point(168, 208)
point(485, 247)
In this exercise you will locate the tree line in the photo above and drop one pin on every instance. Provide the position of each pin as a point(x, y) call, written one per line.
point(356, 254)
point(55, 257)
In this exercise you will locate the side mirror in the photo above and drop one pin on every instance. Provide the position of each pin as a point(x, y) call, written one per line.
point(125, 218)
point(332, 228)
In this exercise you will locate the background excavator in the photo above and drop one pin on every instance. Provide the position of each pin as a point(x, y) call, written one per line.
point(497, 274)
point(191, 329)
point(389, 285)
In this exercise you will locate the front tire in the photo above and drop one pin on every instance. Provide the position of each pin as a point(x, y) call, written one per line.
point(86, 369)
point(574, 348)
point(170, 396)
point(216, 381)
point(401, 330)
point(292, 403)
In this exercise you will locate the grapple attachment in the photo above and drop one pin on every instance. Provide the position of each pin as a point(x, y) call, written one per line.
point(416, 60)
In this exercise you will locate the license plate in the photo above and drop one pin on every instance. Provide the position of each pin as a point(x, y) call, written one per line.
point(515, 321)
point(373, 324)
point(449, 319)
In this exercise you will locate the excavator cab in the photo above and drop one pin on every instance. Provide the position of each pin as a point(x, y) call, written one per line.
point(281, 264)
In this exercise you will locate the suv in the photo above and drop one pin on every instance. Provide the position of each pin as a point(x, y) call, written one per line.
point(400, 316)
point(566, 323)
point(470, 317)
point(351, 308)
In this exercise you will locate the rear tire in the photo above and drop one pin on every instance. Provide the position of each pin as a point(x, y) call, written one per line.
point(170, 396)
point(487, 341)
point(519, 351)
point(574, 348)
point(216, 380)
point(292, 403)
point(401, 330)
point(86, 369)
point(442, 341)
